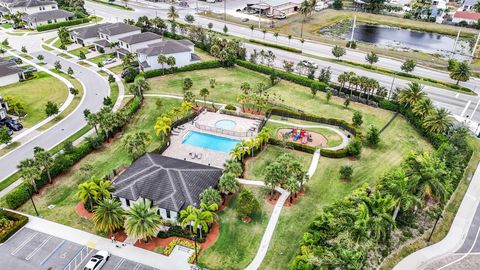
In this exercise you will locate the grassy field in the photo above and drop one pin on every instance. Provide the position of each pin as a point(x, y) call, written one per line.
point(117, 69)
point(77, 51)
point(255, 166)
point(62, 193)
point(100, 58)
point(238, 241)
point(35, 94)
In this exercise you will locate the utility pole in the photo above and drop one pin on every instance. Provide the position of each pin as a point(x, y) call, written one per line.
point(435, 225)
point(475, 48)
point(456, 40)
point(391, 87)
point(353, 28)
point(225, 10)
point(259, 14)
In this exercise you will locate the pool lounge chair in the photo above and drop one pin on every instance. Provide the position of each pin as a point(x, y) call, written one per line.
point(191, 155)
point(198, 155)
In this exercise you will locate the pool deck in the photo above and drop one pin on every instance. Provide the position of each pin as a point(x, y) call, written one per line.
point(209, 157)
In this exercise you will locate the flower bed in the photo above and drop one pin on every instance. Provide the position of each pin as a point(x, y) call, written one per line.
point(177, 241)
point(12, 223)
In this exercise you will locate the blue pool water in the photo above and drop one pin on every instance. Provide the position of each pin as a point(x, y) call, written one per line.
point(225, 124)
point(212, 142)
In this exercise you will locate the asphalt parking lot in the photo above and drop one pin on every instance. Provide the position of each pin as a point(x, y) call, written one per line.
point(32, 250)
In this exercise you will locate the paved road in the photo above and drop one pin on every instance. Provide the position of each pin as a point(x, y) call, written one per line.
point(459, 104)
point(32, 250)
point(96, 88)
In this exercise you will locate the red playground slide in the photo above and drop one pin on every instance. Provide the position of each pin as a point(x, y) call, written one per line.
point(305, 138)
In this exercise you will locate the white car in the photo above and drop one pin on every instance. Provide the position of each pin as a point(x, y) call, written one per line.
point(109, 61)
point(308, 63)
point(97, 261)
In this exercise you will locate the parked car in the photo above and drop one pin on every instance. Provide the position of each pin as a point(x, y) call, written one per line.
point(12, 124)
point(16, 26)
point(245, 19)
point(3, 21)
point(126, 70)
point(308, 63)
point(97, 261)
point(108, 61)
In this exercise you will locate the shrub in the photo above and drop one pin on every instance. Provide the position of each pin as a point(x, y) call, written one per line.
point(178, 232)
point(373, 136)
point(18, 222)
point(247, 204)
point(357, 119)
point(197, 66)
point(278, 46)
point(346, 172)
point(354, 148)
point(333, 153)
point(19, 195)
point(51, 26)
point(230, 107)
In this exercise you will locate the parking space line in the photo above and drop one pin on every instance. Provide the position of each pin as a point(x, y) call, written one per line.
point(38, 248)
point(15, 251)
point(53, 251)
point(137, 266)
point(119, 264)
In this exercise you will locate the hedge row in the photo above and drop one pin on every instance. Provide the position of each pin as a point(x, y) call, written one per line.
point(314, 118)
point(277, 46)
point(196, 66)
point(295, 78)
point(300, 147)
point(177, 231)
point(62, 163)
point(51, 26)
point(19, 222)
point(112, 4)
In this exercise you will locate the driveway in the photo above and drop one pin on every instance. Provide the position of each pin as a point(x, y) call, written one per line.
point(96, 88)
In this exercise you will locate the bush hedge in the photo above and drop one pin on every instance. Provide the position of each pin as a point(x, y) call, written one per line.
point(177, 231)
point(296, 146)
point(197, 66)
point(19, 222)
point(295, 78)
point(277, 46)
point(112, 4)
point(51, 26)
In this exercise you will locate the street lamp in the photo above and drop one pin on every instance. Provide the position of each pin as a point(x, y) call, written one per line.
point(435, 225)
point(30, 192)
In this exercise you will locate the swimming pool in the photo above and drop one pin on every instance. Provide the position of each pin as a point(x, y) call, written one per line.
point(225, 124)
point(212, 142)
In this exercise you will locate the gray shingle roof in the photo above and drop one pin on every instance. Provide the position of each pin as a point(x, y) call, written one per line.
point(88, 32)
point(47, 15)
point(102, 42)
point(170, 183)
point(142, 37)
point(32, 3)
point(164, 47)
point(8, 68)
point(117, 28)
point(195, 57)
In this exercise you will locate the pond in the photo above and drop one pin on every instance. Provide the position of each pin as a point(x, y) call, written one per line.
point(398, 38)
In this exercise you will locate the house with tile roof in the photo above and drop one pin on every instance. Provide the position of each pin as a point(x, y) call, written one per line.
point(467, 16)
point(168, 183)
point(86, 35)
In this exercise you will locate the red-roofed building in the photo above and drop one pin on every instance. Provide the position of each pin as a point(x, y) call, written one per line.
point(468, 16)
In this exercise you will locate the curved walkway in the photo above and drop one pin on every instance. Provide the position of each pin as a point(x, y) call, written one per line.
point(462, 238)
point(344, 137)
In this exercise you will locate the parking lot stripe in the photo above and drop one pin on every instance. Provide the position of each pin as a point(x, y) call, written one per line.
point(24, 243)
point(53, 251)
point(119, 264)
point(137, 267)
point(38, 248)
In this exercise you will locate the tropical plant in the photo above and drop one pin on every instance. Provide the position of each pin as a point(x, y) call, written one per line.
point(211, 196)
point(371, 58)
point(357, 119)
point(380, 222)
point(228, 183)
point(198, 218)
point(412, 94)
point(306, 8)
point(438, 121)
point(373, 136)
point(172, 13)
point(338, 51)
point(247, 204)
point(139, 86)
point(346, 172)
point(44, 161)
point(204, 93)
point(163, 126)
point(30, 172)
point(461, 72)
point(142, 221)
point(88, 193)
point(232, 166)
point(423, 108)
point(408, 66)
point(108, 215)
point(136, 143)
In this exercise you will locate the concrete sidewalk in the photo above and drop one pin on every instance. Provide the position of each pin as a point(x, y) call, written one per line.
point(455, 237)
point(128, 252)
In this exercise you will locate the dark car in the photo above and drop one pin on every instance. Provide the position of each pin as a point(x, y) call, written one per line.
point(12, 124)
point(128, 70)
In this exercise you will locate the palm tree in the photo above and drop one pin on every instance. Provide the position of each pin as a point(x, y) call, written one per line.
point(228, 183)
point(108, 215)
point(190, 211)
point(171, 61)
point(401, 187)
point(142, 221)
point(204, 93)
point(44, 161)
point(306, 8)
point(242, 99)
point(93, 120)
point(412, 94)
point(104, 190)
point(343, 79)
point(438, 121)
point(30, 172)
point(172, 13)
point(162, 60)
point(162, 126)
point(237, 152)
point(127, 60)
point(423, 108)
point(232, 166)
point(461, 72)
point(199, 218)
point(380, 222)
point(139, 86)
point(88, 193)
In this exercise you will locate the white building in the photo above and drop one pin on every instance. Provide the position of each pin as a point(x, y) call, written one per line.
point(468, 5)
point(31, 6)
point(132, 43)
point(467, 16)
point(168, 183)
point(46, 17)
point(85, 36)
point(9, 73)
point(112, 33)
point(182, 50)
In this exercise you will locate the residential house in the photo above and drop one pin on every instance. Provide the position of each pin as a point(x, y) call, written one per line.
point(274, 8)
point(181, 50)
point(85, 36)
point(46, 17)
point(467, 16)
point(168, 183)
point(3, 109)
point(132, 43)
point(468, 5)
point(111, 34)
point(9, 73)
point(437, 10)
point(31, 6)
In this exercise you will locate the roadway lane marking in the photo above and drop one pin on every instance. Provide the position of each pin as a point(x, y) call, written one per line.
point(465, 109)
point(24, 243)
point(53, 251)
point(457, 95)
point(38, 248)
point(119, 264)
point(475, 110)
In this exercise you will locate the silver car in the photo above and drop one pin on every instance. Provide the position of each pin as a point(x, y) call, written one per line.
point(97, 261)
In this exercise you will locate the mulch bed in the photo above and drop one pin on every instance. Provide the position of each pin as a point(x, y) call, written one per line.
point(82, 212)
point(294, 201)
point(272, 200)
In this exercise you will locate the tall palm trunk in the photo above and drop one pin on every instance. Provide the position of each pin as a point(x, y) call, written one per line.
point(395, 212)
point(49, 176)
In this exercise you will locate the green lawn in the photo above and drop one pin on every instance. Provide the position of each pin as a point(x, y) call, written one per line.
point(35, 93)
point(77, 51)
point(117, 69)
point(62, 192)
point(27, 56)
point(255, 166)
point(6, 25)
point(325, 187)
point(238, 241)
point(100, 58)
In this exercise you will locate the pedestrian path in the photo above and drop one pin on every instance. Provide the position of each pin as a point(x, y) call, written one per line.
point(457, 235)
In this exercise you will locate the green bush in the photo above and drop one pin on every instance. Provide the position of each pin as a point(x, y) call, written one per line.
point(230, 107)
point(196, 66)
point(295, 78)
point(19, 222)
point(281, 47)
point(300, 147)
point(333, 153)
point(19, 195)
point(51, 26)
